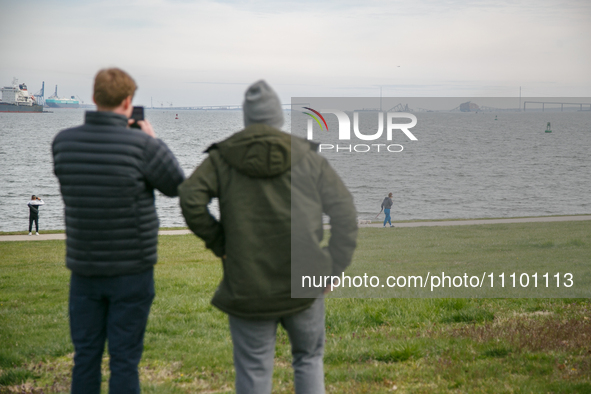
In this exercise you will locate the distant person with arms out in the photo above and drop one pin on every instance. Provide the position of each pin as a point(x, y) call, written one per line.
point(34, 205)
point(107, 174)
point(387, 206)
point(253, 174)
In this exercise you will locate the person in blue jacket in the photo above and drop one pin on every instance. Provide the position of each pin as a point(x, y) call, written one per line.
point(386, 206)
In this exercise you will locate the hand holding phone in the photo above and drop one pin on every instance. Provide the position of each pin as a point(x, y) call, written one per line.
point(137, 121)
point(136, 115)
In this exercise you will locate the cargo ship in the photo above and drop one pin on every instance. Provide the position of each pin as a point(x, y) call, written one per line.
point(16, 98)
point(55, 102)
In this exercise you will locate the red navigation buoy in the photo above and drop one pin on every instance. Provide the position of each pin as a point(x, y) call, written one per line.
point(176, 116)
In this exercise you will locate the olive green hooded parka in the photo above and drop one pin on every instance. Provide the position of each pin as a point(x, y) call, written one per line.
point(273, 190)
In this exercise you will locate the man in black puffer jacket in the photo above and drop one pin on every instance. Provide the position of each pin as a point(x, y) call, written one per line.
point(107, 174)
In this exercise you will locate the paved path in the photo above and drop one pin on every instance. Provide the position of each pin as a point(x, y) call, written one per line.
point(485, 221)
point(46, 237)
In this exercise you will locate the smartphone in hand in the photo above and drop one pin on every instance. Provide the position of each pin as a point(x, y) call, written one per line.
point(137, 114)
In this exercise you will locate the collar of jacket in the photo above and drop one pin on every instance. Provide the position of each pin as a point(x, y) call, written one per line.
point(105, 118)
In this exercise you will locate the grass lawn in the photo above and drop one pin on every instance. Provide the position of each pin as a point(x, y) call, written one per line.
point(373, 345)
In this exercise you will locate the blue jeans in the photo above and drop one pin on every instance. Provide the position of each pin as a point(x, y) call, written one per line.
point(254, 349)
point(387, 218)
point(114, 308)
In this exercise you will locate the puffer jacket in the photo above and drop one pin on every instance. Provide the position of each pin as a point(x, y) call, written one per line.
point(272, 189)
point(107, 174)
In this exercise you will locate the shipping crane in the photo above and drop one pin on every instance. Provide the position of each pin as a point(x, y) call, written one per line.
point(40, 95)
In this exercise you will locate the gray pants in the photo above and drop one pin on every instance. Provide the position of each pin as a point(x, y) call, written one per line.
point(254, 351)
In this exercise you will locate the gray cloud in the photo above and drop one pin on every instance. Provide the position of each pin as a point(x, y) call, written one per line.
point(307, 48)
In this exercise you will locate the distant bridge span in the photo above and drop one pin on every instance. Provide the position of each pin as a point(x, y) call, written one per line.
point(562, 104)
point(215, 107)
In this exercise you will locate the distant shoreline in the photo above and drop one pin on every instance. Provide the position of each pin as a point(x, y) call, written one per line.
point(60, 234)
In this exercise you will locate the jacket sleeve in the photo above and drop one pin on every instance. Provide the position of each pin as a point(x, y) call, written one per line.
point(195, 194)
point(337, 203)
point(34, 209)
point(162, 170)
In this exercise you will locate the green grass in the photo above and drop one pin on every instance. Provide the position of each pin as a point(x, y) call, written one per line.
point(442, 345)
point(553, 247)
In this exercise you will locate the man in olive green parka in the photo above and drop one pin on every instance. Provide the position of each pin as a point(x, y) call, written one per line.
point(272, 189)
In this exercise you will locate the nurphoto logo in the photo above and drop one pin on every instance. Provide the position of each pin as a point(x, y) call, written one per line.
point(345, 130)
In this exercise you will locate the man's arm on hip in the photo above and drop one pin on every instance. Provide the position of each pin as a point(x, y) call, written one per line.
point(338, 204)
point(195, 194)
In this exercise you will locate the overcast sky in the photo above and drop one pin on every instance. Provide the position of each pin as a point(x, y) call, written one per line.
point(206, 52)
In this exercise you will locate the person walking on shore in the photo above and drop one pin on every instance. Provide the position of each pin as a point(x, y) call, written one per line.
point(34, 204)
point(275, 225)
point(107, 174)
point(386, 206)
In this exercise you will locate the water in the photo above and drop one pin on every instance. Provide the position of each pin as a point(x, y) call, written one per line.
point(27, 162)
point(463, 165)
point(467, 165)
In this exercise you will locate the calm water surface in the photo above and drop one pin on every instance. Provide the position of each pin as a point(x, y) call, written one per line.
point(462, 166)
